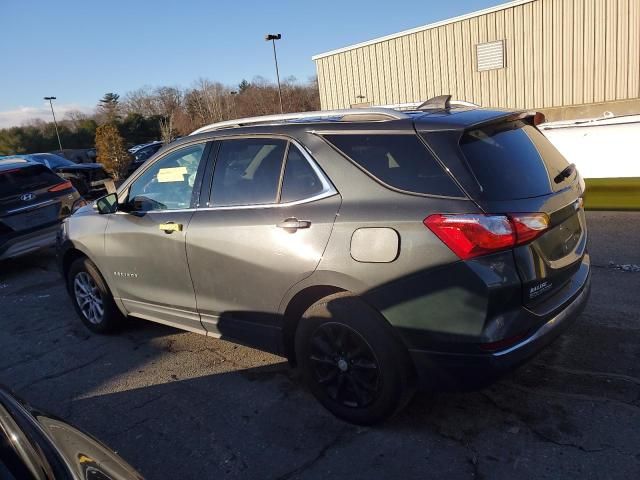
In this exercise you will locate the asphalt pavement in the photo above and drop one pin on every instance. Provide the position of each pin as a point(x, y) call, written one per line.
point(178, 405)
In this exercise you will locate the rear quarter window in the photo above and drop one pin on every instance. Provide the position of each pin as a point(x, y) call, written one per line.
point(399, 161)
point(513, 160)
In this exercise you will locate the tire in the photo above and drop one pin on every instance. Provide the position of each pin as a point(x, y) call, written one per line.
point(91, 297)
point(351, 360)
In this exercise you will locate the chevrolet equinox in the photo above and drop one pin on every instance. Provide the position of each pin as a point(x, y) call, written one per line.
point(377, 250)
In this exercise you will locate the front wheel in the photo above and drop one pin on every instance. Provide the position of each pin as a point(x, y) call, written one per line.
point(351, 360)
point(91, 297)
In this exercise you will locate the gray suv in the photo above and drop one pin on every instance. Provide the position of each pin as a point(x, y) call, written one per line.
point(377, 250)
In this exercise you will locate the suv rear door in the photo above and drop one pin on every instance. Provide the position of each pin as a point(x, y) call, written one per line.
point(265, 227)
point(508, 167)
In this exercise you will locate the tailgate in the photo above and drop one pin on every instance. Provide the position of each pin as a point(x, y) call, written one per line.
point(33, 217)
point(550, 261)
point(513, 169)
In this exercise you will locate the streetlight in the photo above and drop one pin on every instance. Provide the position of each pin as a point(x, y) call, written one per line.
point(273, 37)
point(54, 120)
point(233, 101)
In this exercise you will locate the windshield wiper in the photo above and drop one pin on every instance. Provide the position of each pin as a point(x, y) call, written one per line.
point(566, 173)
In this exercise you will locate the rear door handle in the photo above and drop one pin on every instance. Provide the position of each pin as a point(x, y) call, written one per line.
point(294, 224)
point(170, 227)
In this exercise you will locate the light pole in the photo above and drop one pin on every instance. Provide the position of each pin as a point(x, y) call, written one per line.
point(54, 120)
point(273, 37)
point(233, 102)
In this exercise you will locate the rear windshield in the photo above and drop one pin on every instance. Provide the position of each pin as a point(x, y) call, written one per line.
point(400, 161)
point(26, 179)
point(513, 160)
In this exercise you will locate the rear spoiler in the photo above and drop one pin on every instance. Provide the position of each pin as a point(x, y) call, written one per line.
point(532, 117)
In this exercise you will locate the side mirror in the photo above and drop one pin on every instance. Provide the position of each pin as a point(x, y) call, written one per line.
point(107, 204)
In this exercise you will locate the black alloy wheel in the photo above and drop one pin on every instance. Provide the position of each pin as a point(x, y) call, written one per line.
point(344, 363)
point(352, 361)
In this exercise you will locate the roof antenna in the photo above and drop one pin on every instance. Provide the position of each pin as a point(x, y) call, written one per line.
point(440, 102)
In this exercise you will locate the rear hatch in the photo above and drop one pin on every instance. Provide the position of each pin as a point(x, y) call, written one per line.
point(508, 167)
point(29, 198)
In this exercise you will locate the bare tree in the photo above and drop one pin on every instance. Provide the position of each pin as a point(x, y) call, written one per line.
point(140, 101)
point(207, 102)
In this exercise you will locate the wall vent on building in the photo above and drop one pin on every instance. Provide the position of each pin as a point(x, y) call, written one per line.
point(490, 56)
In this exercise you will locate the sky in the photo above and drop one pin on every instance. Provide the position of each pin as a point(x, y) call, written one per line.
point(79, 50)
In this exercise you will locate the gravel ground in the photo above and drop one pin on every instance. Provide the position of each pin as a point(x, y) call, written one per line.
point(179, 405)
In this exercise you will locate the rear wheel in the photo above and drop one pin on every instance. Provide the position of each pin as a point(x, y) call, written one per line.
point(91, 297)
point(352, 361)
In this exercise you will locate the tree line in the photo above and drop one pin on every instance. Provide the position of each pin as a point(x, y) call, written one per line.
point(161, 113)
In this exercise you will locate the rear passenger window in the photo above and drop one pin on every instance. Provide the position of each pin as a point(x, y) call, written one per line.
point(26, 179)
point(400, 161)
point(247, 172)
point(300, 180)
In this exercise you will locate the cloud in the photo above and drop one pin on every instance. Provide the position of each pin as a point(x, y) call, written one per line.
point(22, 115)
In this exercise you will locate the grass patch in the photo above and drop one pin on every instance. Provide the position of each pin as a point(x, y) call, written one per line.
point(612, 193)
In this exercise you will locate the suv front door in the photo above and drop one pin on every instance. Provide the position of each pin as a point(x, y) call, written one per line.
point(145, 241)
point(265, 228)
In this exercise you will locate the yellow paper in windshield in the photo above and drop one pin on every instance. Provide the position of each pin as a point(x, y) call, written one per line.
point(173, 174)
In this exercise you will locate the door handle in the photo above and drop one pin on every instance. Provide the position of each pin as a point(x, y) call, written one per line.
point(292, 224)
point(170, 227)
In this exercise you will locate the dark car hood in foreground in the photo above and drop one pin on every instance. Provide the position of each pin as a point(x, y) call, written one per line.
point(38, 445)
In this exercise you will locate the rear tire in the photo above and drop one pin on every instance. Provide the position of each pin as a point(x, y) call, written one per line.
point(352, 361)
point(91, 297)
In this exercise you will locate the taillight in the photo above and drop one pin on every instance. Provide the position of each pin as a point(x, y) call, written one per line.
point(529, 225)
point(61, 186)
point(539, 118)
point(471, 235)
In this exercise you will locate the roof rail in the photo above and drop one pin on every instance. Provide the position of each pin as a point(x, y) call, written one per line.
point(373, 114)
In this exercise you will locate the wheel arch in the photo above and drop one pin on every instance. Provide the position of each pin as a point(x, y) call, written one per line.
point(300, 302)
point(69, 254)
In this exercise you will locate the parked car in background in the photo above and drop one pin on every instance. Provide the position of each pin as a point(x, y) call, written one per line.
point(142, 153)
point(89, 179)
point(378, 250)
point(36, 445)
point(33, 200)
point(136, 148)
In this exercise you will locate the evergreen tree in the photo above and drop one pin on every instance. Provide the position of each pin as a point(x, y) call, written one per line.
point(243, 85)
point(109, 105)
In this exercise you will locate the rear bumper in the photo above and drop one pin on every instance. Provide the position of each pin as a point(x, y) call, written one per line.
point(445, 370)
point(25, 243)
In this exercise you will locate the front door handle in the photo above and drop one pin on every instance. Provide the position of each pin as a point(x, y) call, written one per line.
point(292, 224)
point(171, 227)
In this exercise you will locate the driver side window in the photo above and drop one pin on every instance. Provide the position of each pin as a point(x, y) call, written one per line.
point(168, 183)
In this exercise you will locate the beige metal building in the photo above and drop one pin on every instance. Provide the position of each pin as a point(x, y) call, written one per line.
point(566, 57)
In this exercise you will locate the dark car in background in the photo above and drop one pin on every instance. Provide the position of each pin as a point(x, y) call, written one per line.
point(33, 200)
point(378, 250)
point(141, 153)
point(90, 179)
point(39, 446)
